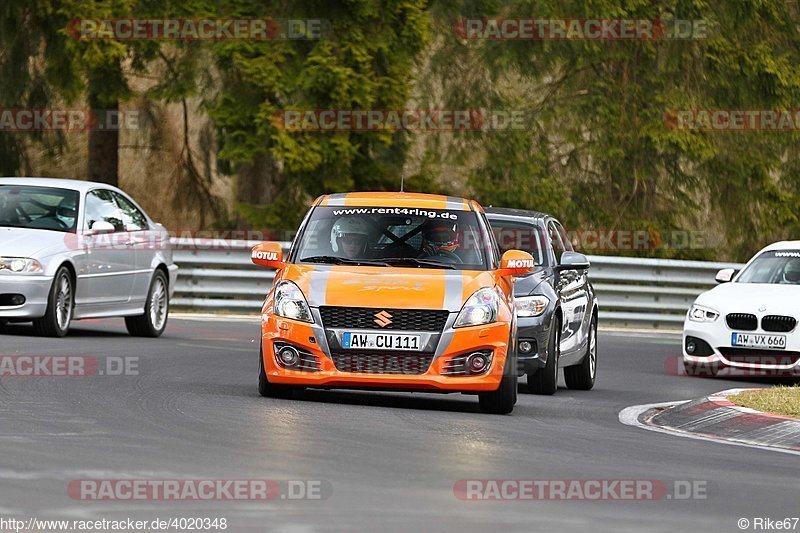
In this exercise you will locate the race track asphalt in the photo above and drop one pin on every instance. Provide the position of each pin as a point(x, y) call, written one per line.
point(389, 461)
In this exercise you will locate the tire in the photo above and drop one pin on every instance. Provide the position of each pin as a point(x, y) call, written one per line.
point(156, 310)
point(501, 401)
point(3, 323)
point(545, 380)
point(60, 304)
point(582, 375)
point(267, 389)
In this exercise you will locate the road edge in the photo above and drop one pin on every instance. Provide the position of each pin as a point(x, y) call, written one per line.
point(708, 412)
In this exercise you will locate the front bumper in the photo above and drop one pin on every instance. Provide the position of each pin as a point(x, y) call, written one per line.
point(717, 335)
point(35, 289)
point(537, 331)
point(311, 339)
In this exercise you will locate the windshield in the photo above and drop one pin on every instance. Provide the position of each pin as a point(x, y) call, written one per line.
point(395, 236)
point(778, 267)
point(23, 206)
point(519, 236)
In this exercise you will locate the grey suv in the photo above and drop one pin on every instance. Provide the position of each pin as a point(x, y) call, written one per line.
point(556, 304)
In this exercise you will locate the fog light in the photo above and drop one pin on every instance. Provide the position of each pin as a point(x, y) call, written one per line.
point(477, 363)
point(690, 347)
point(288, 356)
point(525, 347)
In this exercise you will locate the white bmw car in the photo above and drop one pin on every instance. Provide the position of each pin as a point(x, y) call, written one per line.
point(749, 321)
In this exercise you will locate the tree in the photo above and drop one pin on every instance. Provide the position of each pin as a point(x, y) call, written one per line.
point(365, 62)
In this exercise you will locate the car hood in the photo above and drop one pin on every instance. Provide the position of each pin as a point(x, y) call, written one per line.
point(526, 285)
point(394, 288)
point(756, 298)
point(24, 242)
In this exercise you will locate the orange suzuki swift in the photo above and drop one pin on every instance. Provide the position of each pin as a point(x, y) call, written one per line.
point(393, 291)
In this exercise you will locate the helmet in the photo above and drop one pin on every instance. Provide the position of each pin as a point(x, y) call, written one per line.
point(349, 230)
point(791, 271)
point(439, 236)
point(67, 211)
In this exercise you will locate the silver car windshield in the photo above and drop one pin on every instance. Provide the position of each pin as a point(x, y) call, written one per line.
point(775, 267)
point(24, 206)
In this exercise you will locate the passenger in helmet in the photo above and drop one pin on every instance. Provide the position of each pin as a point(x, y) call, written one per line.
point(349, 237)
point(439, 238)
point(66, 212)
point(791, 272)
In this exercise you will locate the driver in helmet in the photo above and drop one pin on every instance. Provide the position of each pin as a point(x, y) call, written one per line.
point(349, 237)
point(66, 212)
point(791, 272)
point(439, 238)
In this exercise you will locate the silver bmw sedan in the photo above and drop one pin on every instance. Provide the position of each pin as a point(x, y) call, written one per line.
point(73, 249)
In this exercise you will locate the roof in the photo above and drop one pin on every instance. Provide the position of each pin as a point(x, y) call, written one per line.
point(515, 213)
point(78, 185)
point(397, 199)
point(782, 245)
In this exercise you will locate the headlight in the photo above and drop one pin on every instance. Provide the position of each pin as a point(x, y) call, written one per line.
point(481, 308)
point(531, 305)
point(20, 264)
point(698, 313)
point(289, 302)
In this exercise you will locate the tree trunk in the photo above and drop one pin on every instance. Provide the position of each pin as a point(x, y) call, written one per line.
point(103, 98)
point(256, 183)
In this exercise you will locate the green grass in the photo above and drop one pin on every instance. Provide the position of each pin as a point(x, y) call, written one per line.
point(779, 400)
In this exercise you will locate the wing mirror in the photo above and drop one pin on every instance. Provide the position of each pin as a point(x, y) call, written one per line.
point(101, 227)
point(516, 263)
point(725, 275)
point(268, 254)
point(573, 261)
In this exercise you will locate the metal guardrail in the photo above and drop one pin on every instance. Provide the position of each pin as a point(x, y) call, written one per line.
point(217, 276)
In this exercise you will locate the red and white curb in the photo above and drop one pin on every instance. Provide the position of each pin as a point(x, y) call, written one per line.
point(714, 418)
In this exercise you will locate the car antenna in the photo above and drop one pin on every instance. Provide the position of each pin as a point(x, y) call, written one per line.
point(402, 183)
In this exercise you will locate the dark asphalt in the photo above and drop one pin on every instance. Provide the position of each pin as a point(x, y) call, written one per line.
point(392, 459)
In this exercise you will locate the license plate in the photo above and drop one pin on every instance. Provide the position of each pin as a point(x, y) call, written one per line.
point(757, 340)
point(380, 341)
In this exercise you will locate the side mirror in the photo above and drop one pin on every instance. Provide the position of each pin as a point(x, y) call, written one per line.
point(268, 254)
point(101, 227)
point(516, 263)
point(573, 261)
point(725, 275)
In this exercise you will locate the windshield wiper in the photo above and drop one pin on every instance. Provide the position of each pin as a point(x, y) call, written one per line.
point(332, 259)
point(420, 262)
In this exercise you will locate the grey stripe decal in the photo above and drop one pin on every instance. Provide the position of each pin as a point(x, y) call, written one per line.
point(318, 285)
point(454, 286)
point(319, 332)
point(447, 336)
point(336, 200)
point(455, 203)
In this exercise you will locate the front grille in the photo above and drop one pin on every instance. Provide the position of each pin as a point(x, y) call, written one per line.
point(778, 323)
point(388, 363)
point(401, 319)
point(759, 357)
point(743, 321)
